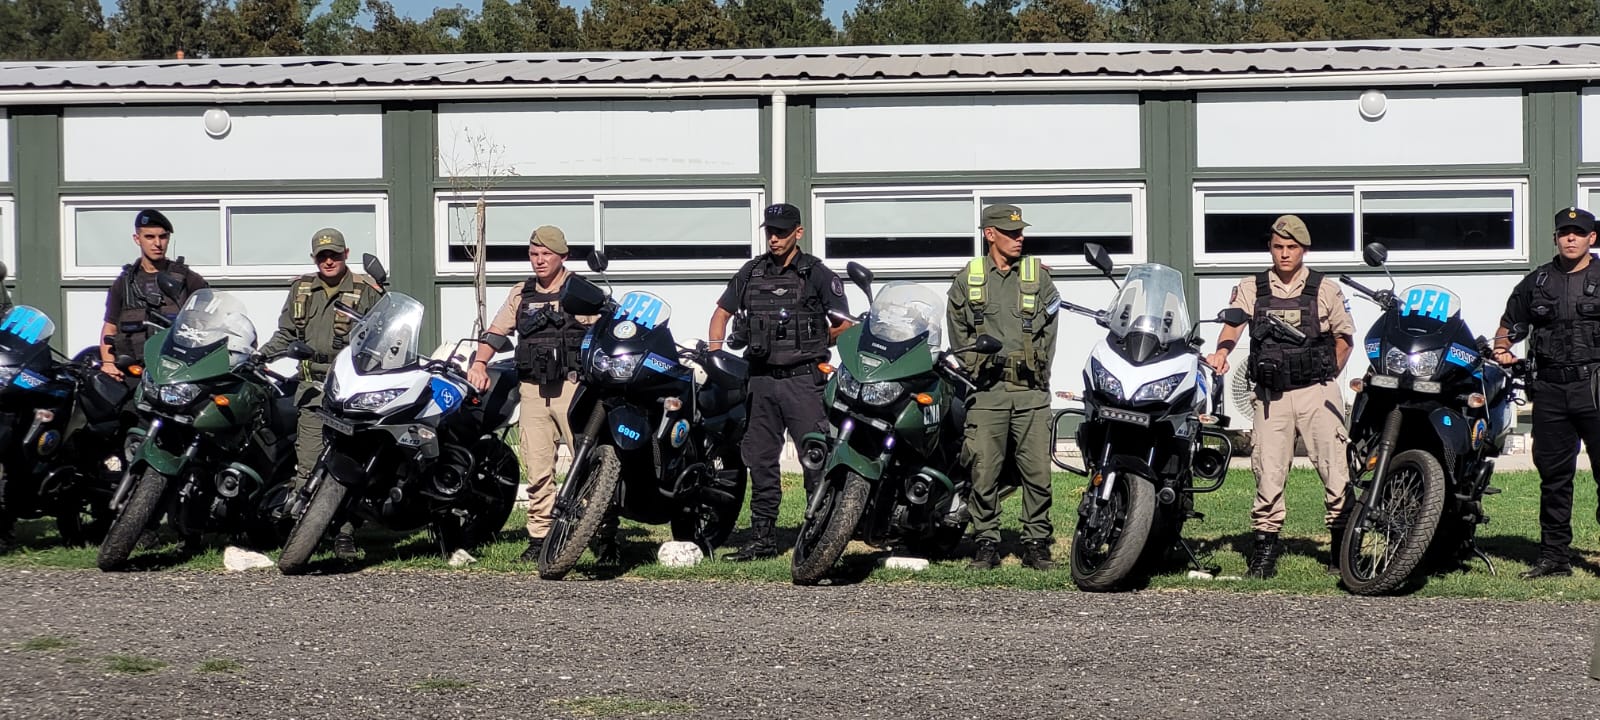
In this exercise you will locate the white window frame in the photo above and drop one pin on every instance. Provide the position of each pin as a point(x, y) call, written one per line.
point(1517, 255)
point(1586, 185)
point(8, 234)
point(223, 203)
point(597, 198)
point(820, 196)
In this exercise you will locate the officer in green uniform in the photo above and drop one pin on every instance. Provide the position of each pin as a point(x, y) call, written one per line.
point(1009, 296)
point(310, 315)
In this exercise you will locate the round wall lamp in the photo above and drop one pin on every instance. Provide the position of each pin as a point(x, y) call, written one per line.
point(217, 122)
point(1372, 104)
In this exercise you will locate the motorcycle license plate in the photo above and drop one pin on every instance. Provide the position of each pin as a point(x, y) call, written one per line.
point(337, 424)
point(1125, 416)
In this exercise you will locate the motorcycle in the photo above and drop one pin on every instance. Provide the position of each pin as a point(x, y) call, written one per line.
point(1430, 415)
point(409, 442)
point(654, 443)
point(888, 467)
point(1144, 430)
point(215, 441)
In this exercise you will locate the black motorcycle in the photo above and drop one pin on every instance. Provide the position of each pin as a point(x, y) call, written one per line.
point(652, 444)
point(1429, 418)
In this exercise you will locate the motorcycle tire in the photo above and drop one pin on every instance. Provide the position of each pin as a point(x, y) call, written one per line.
point(585, 498)
point(129, 525)
point(710, 524)
point(1110, 562)
point(823, 537)
point(498, 466)
point(311, 526)
point(1414, 485)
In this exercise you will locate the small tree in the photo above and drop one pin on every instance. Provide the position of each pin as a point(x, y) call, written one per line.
point(472, 171)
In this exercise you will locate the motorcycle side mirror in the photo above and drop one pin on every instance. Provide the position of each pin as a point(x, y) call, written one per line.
point(4, 272)
point(1233, 316)
point(374, 267)
point(496, 341)
point(987, 345)
point(299, 350)
point(597, 260)
point(170, 285)
point(1375, 254)
point(1097, 256)
point(582, 297)
point(861, 276)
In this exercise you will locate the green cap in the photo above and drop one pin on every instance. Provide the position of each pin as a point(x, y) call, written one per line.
point(1293, 228)
point(1004, 217)
point(327, 239)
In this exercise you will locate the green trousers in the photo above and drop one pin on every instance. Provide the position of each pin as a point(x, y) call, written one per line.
point(1018, 440)
point(308, 437)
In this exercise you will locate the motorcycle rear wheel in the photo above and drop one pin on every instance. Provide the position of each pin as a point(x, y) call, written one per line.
point(499, 469)
point(1104, 560)
point(710, 524)
point(129, 525)
point(311, 526)
point(580, 507)
point(1387, 536)
point(823, 537)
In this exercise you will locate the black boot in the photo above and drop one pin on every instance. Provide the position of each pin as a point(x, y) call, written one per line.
point(1036, 555)
point(531, 555)
point(1264, 557)
point(344, 547)
point(1335, 550)
point(606, 549)
point(763, 542)
point(987, 557)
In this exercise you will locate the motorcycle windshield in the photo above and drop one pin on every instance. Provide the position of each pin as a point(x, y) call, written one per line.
point(389, 337)
point(905, 311)
point(24, 326)
point(208, 321)
point(1424, 309)
point(1152, 302)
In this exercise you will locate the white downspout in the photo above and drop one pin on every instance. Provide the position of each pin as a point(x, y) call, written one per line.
point(780, 128)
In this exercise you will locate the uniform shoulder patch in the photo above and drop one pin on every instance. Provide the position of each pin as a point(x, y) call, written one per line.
point(1055, 305)
point(838, 286)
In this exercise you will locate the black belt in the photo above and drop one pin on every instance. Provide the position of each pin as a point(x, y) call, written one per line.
point(321, 358)
point(780, 373)
point(1564, 373)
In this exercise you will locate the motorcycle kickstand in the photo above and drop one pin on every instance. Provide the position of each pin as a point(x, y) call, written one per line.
point(1478, 551)
point(1194, 560)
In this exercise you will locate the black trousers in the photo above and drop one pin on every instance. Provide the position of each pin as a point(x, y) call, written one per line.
point(1564, 415)
point(778, 404)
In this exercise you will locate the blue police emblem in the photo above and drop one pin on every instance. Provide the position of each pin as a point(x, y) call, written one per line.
point(680, 433)
point(446, 395)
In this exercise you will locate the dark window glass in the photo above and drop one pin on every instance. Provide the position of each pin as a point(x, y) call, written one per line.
point(1073, 246)
point(1438, 231)
point(677, 252)
point(1247, 233)
point(510, 253)
point(888, 247)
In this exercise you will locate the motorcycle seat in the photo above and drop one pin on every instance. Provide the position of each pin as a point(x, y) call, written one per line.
point(726, 370)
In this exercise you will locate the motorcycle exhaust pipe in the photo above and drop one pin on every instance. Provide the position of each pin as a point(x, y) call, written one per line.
point(813, 454)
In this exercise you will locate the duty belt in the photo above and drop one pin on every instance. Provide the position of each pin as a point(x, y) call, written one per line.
point(780, 373)
point(1564, 373)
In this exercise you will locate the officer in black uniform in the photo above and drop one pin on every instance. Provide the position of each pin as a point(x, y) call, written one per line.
point(1560, 301)
point(780, 303)
point(136, 290)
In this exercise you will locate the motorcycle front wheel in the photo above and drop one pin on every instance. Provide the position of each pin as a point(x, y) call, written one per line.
point(1388, 535)
point(823, 536)
point(129, 525)
point(580, 507)
point(311, 526)
point(1104, 557)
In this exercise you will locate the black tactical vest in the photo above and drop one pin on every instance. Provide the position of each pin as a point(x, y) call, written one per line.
point(1566, 330)
point(549, 338)
point(787, 324)
point(131, 331)
point(1278, 364)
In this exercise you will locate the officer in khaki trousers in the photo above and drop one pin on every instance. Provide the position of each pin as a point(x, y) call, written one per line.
point(1295, 387)
point(548, 342)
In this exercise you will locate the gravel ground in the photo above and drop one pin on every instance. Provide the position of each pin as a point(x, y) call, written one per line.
point(400, 645)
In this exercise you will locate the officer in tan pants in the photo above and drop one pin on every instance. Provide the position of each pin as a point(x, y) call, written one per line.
point(1300, 334)
point(548, 342)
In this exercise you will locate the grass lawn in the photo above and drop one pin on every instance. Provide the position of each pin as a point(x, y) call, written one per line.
point(1511, 539)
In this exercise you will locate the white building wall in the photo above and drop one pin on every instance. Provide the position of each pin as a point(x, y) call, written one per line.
point(1589, 119)
point(272, 142)
point(5, 147)
point(601, 137)
point(977, 133)
point(1325, 128)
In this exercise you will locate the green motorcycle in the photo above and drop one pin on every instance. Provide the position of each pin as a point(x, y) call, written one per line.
point(889, 470)
point(215, 439)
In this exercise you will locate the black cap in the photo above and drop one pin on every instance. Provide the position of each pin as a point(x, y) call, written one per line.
point(782, 216)
point(1575, 217)
point(152, 218)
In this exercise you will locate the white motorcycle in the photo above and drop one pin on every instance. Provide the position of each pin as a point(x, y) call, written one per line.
point(1144, 432)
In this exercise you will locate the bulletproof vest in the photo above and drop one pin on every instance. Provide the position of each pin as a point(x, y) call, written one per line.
point(1566, 331)
point(306, 287)
point(1278, 364)
point(1030, 366)
point(786, 325)
point(549, 339)
point(131, 332)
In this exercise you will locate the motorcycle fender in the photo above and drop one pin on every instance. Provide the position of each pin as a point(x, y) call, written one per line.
point(1453, 429)
point(844, 456)
point(1124, 465)
point(159, 460)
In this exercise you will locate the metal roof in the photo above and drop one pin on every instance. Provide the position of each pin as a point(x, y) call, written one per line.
point(1220, 65)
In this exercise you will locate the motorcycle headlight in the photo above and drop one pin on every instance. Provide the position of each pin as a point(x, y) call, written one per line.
point(882, 393)
point(1421, 364)
point(372, 401)
point(620, 367)
point(177, 394)
point(1158, 390)
point(1102, 379)
point(847, 383)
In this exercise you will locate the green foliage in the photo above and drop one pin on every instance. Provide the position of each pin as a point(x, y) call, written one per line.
point(656, 25)
point(133, 664)
point(526, 26)
point(1047, 21)
point(910, 22)
point(780, 23)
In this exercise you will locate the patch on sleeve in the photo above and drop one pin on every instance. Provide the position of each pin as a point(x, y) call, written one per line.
point(1346, 304)
point(1055, 305)
point(838, 286)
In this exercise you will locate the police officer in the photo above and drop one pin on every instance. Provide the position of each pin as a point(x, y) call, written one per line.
point(548, 341)
point(1009, 296)
point(135, 291)
point(1560, 300)
point(784, 299)
point(310, 315)
point(1295, 388)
